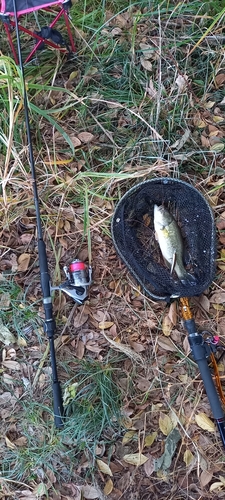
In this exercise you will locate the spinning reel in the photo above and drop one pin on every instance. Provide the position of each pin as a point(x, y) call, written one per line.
point(78, 280)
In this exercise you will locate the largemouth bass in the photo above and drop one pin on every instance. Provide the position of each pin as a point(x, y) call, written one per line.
point(170, 241)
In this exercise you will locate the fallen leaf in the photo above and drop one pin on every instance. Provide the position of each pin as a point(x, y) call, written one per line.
point(137, 347)
point(128, 436)
point(165, 424)
point(5, 398)
point(104, 468)
point(205, 477)
point(76, 142)
point(80, 319)
point(181, 82)
point(80, 349)
point(21, 441)
point(85, 137)
point(108, 487)
point(104, 325)
point(135, 459)
point(21, 342)
point(147, 50)
point(214, 486)
point(167, 325)
point(5, 301)
point(9, 444)
point(204, 422)
point(40, 490)
point(220, 79)
point(6, 337)
point(150, 438)
point(186, 346)
point(149, 466)
point(218, 147)
point(23, 262)
point(166, 344)
point(188, 457)
point(89, 492)
point(12, 365)
point(218, 298)
point(145, 63)
point(164, 462)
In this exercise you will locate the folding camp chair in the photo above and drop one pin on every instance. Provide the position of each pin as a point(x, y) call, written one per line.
point(47, 35)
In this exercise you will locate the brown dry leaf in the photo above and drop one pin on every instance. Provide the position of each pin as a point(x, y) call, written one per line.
point(135, 459)
point(204, 422)
point(218, 297)
point(12, 365)
point(165, 424)
point(167, 325)
point(145, 63)
point(205, 477)
point(173, 313)
point(104, 468)
point(149, 466)
point(26, 238)
point(128, 436)
point(76, 142)
point(5, 398)
point(22, 441)
point(80, 319)
point(186, 346)
point(85, 137)
point(108, 487)
point(104, 325)
point(23, 262)
point(146, 50)
point(166, 344)
point(80, 349)
point(188, 457)
point(137, 347)
point(150, 438)
point(220, 79)
point(143, 384)
point(89, 492)
point(205, 141)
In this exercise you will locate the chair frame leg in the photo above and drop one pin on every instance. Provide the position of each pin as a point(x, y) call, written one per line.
point(39, 39)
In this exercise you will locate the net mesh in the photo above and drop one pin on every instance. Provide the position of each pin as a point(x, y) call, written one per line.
point(134, 237)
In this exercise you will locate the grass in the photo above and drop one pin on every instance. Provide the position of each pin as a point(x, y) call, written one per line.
point(137, 118)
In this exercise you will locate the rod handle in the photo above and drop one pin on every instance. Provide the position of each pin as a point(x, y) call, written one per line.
point(221, 427)
point(57, 405)
point(211, 392)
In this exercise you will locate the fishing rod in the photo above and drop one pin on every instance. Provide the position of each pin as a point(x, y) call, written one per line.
point(78, 277)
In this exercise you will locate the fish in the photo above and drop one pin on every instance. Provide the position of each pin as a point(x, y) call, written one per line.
point(171, 243)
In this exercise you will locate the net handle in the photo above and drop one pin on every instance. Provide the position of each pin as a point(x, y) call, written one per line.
point(200, 355)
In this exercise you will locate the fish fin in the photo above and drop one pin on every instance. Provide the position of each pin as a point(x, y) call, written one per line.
point(173, 262)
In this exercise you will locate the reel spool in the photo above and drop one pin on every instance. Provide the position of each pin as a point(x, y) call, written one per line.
point(78, 281)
